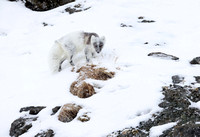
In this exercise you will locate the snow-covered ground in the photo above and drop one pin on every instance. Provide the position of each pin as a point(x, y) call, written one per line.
point(131, 96)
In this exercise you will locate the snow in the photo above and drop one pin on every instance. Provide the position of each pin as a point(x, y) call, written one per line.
point(157, 130)
point(130, 97)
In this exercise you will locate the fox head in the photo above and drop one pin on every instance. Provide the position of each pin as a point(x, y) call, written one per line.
point(98, 43)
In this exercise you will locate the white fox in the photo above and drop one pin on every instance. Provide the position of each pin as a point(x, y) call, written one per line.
point(69, 45)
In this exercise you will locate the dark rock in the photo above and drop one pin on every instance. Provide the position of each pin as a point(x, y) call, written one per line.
point(55, 110)
point(32, 110)
point(197, 78)
point(146, 43)
point(141, 17)
point(194, 94)
point(195, 60)
point(124, 25)
point(176, 108)
point(176, 79)
point(68, 112)
point(44, 5)
point(147, 21)
point(48, 133)
point(21, 126)
point(160, 44)
point(188, 130)
point(72, 10)
point(163, 55)
point(76, 8)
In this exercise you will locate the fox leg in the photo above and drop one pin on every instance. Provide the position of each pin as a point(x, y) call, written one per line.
point(60, 64)
point(87, 55)
point(71, 61)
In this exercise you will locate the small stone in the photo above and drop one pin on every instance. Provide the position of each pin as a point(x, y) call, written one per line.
point(147, 21)
point(163, 55)
point(48, 133)
point(55, 110)
point(84, 118)
point(176, 79)
point(124, 25)
point(195, 60)
point(141, 17)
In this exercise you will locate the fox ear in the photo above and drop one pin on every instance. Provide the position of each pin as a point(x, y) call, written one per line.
point(103, 39)
point(93, 39)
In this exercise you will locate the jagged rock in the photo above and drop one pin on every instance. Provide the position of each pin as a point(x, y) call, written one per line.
point(82, 89)
point(48, 133)
point(44, 5)
point(21, 126)
point(55, 110)
point(195, 60)
point(32, 110)
point(68, 112)
point(163, 55)
point(176, 79)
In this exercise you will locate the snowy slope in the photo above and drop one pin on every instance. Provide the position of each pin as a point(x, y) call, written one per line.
point(25, 78)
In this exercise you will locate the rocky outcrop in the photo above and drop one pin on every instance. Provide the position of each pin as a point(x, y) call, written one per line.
point(21, 126)
point(177, 108)
point(44, 5)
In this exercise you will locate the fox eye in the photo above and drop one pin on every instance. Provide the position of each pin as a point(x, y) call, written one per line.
point(95, 45)
point(101, 45)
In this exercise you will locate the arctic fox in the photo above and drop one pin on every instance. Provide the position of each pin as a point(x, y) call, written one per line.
point(69, 45)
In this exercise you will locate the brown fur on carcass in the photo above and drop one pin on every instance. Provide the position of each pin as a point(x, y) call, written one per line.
point(68, 112)
point(82, 89)
point(90, 71)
